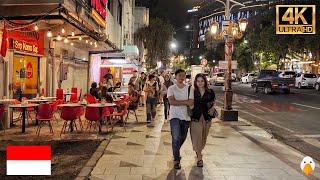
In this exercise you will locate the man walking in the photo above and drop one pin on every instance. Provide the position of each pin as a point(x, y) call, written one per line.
point(180, 97)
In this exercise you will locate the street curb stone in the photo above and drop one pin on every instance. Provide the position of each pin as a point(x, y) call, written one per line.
point(86, 170)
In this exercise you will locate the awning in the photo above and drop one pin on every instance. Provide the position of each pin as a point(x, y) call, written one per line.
point(131, 52)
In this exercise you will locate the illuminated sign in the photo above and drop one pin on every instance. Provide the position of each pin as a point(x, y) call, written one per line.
point(100, 7)
point(295, 19)
point(24, 46)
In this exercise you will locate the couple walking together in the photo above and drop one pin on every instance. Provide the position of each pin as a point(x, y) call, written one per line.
point(190, 107)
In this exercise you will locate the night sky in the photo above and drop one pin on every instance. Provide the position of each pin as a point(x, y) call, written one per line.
point(173, 10)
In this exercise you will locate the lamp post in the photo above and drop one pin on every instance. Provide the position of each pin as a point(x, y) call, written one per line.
point(230, 31)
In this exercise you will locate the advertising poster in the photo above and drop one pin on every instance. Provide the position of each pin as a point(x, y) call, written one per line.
point(25, 70)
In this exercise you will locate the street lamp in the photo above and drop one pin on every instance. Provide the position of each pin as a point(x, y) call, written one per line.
point(229, 32)
point(173, 46)
point(200, 57)
point(187, 26)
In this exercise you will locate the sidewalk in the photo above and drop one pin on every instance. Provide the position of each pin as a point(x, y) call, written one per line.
point(144, 153)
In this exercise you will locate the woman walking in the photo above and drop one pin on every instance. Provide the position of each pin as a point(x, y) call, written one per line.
point(151, 90)
point(167, 83)
point(202, 114)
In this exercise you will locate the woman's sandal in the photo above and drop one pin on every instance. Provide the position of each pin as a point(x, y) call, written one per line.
point(200, 163)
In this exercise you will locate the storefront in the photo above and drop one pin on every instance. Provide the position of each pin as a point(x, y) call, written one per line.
point(117, 64)
point(26, 47)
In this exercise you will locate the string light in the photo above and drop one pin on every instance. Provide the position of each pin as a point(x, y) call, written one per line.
point(65, 40)
point(49, 34)
point(87, 41)
point(80, 38)
point(72, 34)
point(59, 38)
point(71, 44)
point(36, 27)
point(63, 31)
point(91, 43)
point(95, 45)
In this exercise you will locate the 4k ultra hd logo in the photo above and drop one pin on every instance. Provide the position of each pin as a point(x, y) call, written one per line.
point(296, 19)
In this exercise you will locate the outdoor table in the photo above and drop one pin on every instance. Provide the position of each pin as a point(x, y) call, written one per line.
point(38, 101)
point(6, 101)
point(121, 92)
point(49, 98)
point(74, 105)
point(101, 106)
point(24, 108)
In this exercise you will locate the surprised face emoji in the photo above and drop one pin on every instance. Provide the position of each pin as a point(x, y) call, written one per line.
point(307, 165)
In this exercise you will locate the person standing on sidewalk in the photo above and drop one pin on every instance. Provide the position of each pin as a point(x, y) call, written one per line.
point(202, 114)
point(180, 97)
point(167, 83)
point(135, 80)
point(143, 79)
point(151, 90)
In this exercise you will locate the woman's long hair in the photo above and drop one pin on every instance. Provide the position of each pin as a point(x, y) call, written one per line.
point(206, 87)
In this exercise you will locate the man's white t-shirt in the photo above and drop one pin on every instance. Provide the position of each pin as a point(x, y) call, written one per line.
point(179, 112)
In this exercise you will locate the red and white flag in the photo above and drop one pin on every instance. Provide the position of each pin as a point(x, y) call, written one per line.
point(28, 160)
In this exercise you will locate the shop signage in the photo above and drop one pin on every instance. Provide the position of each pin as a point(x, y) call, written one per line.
point(27, 40)
point(128, 70)
point(26, 47)
point(99, 12)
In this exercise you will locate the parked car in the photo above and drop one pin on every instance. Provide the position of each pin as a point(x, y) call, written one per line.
point(317, 84)
point(287, 74)
point(306, 80)
point(218, 79)
point(269, 81)
point(247, 78)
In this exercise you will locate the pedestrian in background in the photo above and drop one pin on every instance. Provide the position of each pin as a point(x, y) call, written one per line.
point(151, 90)
point(135, 80)
point(143, 79)
point(180, 97)
point(167, 83)
point(202, 114)
point(161, 85)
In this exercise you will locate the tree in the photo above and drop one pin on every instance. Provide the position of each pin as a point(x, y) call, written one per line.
point(156, 38)
point(243, 55)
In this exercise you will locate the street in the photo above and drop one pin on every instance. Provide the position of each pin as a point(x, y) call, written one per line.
point(291, 118)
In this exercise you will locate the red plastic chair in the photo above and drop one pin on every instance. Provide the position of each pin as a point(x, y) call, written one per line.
point(68, 114)
point(74, 96)
point(29, 110)
point(132, 109)
point(2, 110)
point(59, 94)
point(45, 114)
point(54, 107)
point(91, 99)
point(118, 116)
point(93, 116)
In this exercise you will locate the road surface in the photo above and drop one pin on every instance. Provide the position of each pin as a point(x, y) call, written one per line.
point(292, 118)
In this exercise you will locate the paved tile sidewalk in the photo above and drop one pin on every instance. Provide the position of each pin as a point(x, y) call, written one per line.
point(144, 153)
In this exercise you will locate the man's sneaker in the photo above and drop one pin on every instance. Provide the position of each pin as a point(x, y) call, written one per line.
point(177, 165)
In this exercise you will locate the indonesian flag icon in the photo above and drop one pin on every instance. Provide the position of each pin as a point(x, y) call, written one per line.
point(29, 160)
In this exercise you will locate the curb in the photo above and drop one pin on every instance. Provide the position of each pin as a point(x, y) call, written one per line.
point(86, 170)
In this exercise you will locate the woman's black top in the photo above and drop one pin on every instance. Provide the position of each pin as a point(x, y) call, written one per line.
point(202, 105)
point(95, 92)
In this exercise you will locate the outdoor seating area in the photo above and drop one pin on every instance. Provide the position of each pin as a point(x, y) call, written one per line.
point(68, 115)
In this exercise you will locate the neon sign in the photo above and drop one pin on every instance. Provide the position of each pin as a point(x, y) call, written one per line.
point(100, 7)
